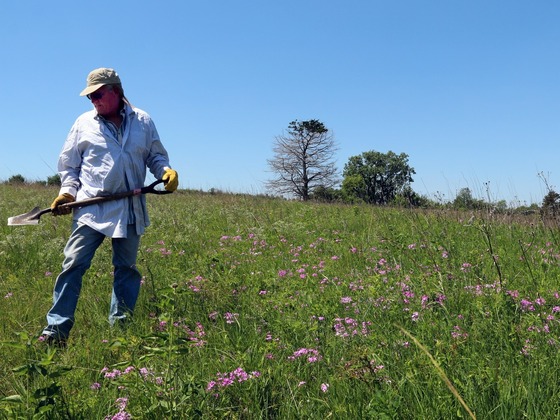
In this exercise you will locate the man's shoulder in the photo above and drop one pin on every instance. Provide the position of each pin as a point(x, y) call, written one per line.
point(88, 115)
point(86, 119)
point(140, 114)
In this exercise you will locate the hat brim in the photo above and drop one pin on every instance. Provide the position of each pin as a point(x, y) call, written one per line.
point(91, 89)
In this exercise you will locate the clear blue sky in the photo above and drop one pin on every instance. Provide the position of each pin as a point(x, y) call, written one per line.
point(468, 89)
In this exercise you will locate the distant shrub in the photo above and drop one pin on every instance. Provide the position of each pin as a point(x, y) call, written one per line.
point(54, 180)
point(16, 179)
point(326, 194)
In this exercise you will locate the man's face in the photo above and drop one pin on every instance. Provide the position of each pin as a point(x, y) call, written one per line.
point(105, 100)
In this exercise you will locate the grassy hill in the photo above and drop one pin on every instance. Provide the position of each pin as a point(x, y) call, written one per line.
point(253, 307)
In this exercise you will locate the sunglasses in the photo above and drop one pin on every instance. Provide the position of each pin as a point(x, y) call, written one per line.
point(96, 95)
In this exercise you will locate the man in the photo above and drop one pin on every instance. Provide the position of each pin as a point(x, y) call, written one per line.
point(107, 151)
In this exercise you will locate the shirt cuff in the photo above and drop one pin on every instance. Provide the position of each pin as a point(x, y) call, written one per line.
point(68, 190)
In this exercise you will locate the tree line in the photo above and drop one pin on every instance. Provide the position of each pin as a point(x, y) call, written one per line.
point(303, 167)
point(20, 180)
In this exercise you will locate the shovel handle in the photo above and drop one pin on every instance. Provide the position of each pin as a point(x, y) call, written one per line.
point(96, 200)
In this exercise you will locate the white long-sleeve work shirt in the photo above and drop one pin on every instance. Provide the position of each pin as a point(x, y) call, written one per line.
point(96, 162)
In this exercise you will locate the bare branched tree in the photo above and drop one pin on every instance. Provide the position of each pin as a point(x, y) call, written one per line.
point(303, 160)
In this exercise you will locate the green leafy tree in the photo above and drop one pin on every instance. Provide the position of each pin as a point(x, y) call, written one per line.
point(303, 160)
point(353, 188)
point(376, 177)
point(465, 200)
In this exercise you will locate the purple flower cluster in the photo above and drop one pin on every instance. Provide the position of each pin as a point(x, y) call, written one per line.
point(223, 380)
point(196, 335)
point(145, 373)
point(458, 333)
point(312, 355)
point(349, 327)
point(121, 404)
point(231, 318)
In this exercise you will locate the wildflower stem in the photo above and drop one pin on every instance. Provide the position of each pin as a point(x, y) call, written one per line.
point(439, 370)
point(486, 231)
point(526, 260)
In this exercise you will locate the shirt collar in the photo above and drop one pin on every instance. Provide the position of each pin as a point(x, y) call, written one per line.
point(125, 110)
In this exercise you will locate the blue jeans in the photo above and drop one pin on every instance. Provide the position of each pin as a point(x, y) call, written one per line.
point(78, 254)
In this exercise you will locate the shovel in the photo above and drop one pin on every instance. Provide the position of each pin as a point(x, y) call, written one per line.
point(32, 217)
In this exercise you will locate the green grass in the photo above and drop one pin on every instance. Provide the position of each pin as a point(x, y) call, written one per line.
point(254, 307)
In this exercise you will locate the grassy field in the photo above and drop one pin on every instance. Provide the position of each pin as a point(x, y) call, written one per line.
point(254, 308)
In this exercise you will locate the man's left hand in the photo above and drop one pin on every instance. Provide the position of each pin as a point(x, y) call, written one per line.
point(170, 179)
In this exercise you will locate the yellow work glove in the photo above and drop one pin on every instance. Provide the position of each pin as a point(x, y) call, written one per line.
point(61, 199)
point(170, 179)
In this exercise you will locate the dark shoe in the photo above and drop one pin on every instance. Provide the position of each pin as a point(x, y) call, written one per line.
point(53, 340)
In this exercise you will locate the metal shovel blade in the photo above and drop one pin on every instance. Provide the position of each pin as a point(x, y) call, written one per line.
point(29, 218)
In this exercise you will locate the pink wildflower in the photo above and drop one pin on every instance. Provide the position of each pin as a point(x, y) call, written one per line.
point(230, 318)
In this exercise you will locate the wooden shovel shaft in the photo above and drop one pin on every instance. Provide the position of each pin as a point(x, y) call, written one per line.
point(96, 200)
point(32, 217)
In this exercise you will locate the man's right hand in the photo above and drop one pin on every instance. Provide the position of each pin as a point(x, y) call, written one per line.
point(62, 199)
